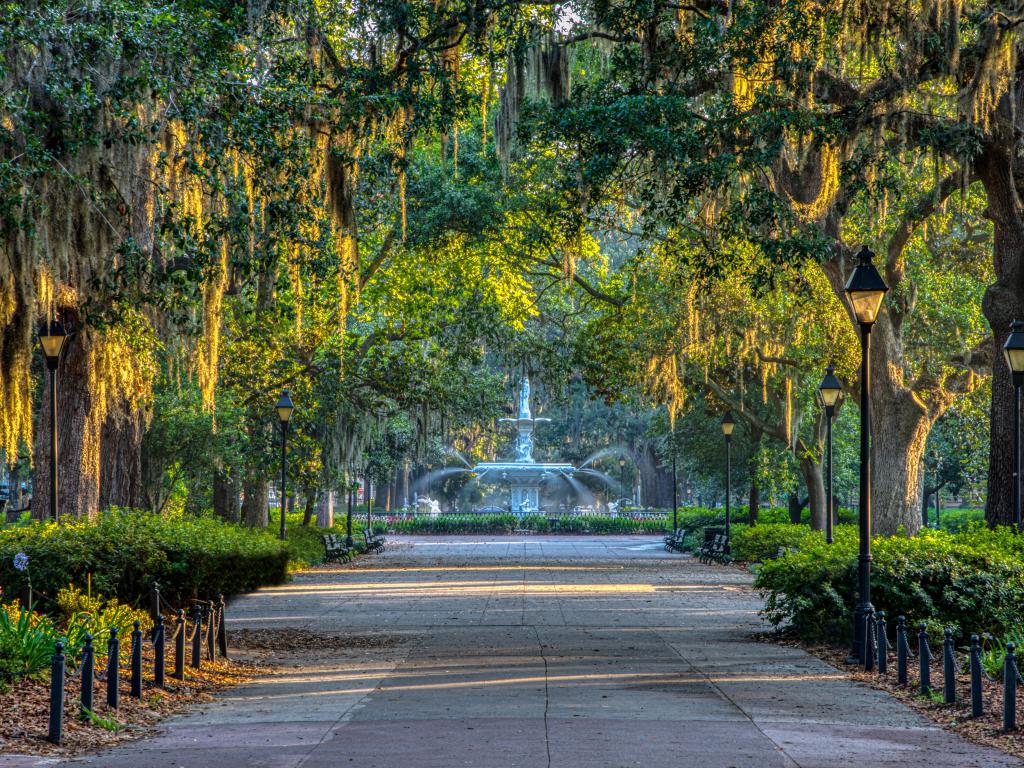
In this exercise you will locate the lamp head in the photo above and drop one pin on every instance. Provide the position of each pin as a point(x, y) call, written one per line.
point(51, 338)
point(728, 424)
point(1013, 349)
point(830, 390)
point(866, 288)
point(285, 407)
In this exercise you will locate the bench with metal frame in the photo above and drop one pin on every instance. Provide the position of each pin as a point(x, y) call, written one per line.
point(715, 549)
point(335, 549)
point(374, 541)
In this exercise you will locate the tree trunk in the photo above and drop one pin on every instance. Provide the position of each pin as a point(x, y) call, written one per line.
point(121, 460)
point(325, 510)
point(813, 478)
point(795, 508)
point(78, 432)
point(225, 498)
point(310, 509)
point(1003, 303)
point(256, 507)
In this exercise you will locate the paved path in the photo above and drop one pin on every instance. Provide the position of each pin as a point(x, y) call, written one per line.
point(536, 652)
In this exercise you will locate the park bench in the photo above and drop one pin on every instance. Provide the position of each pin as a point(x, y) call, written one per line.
point(676, 541)
point(374, 541)
point(335, 549)
point(714, 549)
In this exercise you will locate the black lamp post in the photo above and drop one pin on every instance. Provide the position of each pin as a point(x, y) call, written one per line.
point(865, 289)
point(829, 392)
point(51, 339)
point(284, 414)
point(675, 485)
point(622, 474)
point(728, 425)
point(369, 501)
point(1013, 350)
point(938, 479)
point(350, 487)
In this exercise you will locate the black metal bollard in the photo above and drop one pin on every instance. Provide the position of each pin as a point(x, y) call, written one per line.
point(1010, 688)
point(924, 655)
point(883, 644)
point(56, 693)
point(88, 675)
point(155, 608)
point(948, 668)
point(869, 640)
point(158, 651)
point(179, 647)
point(113, 669)
point(136, 690)
point(197, 636)
point(977, 707)
point(902, 650)
point(211, 629)
point(222, 633)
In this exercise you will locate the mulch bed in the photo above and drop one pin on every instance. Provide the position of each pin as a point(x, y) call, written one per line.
point(25, 707)
point(987, 729)
point(291, 640)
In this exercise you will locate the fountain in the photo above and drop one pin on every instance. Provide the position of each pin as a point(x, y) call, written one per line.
point(524, 474)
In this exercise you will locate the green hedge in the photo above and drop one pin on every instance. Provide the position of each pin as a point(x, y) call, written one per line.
point(503, 524)
point(125, 551)
point(971, 582)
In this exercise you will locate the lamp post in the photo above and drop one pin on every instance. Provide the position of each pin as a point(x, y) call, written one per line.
point(51, 339)
point(675, 485)
point(728, 425)
point(829, 392)
point(938, 480)
point(284, 414)
point(865, 290)
point(622, 474)
point(1013, 350)
point(350, 487)
point(369, 501)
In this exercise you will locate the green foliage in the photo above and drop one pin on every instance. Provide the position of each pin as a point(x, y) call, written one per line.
point(26, 641)
point(83, 613)
point(126, 551)
point(762, 542)
point(971, 582)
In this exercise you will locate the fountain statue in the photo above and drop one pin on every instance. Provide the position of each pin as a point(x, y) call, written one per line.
point(524, 474)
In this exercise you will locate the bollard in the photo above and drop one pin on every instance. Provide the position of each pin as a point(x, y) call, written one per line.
point(222, 633)
point(211, 629)
point(136, 690)
point(977, 707)
point(179, 647)
point(113, 669)
point(155, 608)
point(883, 644)
point(158, 651)
point(1010, 688)
point(869, 639)
point(902, 650)
point(924, 656)
point(948, 668)
point(88, 675)
point(197, 636)
point(56, 693)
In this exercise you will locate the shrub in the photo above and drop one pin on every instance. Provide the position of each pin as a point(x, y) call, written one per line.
point(959, 520)
point(971, 582)
point(126, 551)
point(762, 542)
point(26, 641)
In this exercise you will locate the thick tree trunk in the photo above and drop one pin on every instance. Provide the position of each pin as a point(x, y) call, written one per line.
point(795, 508)
point(121, 460)
point(810, 470)
point(1003, 303)
point(226, 503)
point(325, 510)
point(256, 507)
point(310, 508)
point(899, 429)
point(78, 433)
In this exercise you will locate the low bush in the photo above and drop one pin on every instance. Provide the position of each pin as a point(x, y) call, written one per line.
point(971, 582)
point(959, 520)
point(762, 542)
point(126, 551)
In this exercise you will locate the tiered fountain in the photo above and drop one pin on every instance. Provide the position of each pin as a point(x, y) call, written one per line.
point(524, 474)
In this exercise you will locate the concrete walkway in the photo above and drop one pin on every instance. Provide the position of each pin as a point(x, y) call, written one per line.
point(540, 651)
